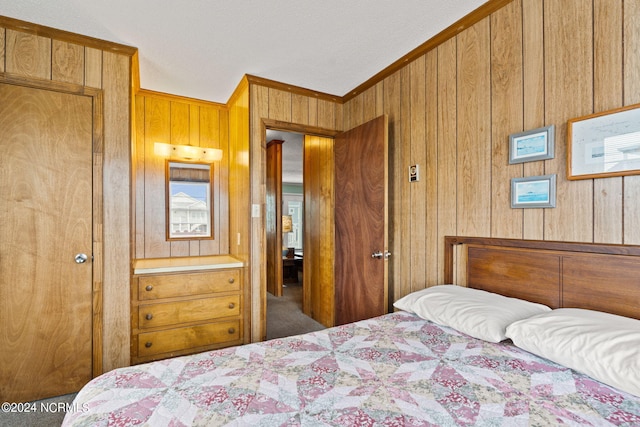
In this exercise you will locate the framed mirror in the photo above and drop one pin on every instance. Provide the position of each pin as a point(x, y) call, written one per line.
point(189, 200)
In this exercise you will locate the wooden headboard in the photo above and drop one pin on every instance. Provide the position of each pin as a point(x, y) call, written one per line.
point(559, 274)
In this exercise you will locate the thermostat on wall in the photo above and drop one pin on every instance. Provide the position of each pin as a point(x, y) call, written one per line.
point(414, 173)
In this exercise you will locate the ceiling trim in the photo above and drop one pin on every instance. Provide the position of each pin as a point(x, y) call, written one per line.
point(453, 30)
point(180, 98)
point(67, 36)
point(293, 89)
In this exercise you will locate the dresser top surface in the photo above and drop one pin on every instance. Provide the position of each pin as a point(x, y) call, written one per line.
point(197, 263)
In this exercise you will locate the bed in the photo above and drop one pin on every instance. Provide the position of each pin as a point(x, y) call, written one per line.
point(413, 367)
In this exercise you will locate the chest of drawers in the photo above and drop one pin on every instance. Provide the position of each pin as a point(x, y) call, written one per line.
point(178, 311)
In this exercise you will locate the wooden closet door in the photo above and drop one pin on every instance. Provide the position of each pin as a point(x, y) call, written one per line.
point(45, 220)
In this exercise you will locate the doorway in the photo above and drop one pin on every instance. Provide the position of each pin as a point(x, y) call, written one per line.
point(285, 216)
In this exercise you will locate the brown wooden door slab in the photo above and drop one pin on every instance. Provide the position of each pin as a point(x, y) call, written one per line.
point(361, 229)
point(45, 220)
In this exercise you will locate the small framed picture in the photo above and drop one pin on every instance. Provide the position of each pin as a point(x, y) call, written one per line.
point(532, 145)
point(533, 192)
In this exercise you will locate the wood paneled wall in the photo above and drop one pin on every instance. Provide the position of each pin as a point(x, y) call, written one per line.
point(36, 52)
point(177, 120)
point(529, 64)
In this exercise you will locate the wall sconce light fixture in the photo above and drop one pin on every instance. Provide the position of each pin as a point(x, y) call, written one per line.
point(187, 152)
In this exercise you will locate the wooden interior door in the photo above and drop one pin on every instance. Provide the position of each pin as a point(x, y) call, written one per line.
point(46, 304)
point(361, 227)
point(274, 217)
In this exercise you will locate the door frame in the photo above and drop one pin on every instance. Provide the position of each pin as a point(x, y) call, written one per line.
point(96, 96)
point(285, 127)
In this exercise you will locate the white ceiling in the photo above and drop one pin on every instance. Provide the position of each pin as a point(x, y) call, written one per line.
point(202, 48)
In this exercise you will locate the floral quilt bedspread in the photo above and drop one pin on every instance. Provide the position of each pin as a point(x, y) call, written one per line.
point(393, 370)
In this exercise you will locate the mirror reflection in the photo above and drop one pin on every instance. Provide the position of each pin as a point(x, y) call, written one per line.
point(189, 210)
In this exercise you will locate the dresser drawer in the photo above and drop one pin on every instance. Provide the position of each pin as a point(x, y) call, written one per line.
point(152, 343)
point(197, 310)
point(177, 285)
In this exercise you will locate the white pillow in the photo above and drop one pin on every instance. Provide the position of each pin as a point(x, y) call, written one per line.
point(481, 314)
point(407, 302)
point(602, 345)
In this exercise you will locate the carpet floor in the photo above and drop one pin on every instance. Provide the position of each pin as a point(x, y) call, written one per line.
point(285, 316)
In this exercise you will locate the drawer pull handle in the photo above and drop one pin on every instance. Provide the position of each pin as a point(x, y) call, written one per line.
point(148, 344)
point(149, 288)
point(231, 305)
point(232, 331)
point(232, 280)
point(149, 316)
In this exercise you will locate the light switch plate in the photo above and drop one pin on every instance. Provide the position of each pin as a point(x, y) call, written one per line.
point(255, 211)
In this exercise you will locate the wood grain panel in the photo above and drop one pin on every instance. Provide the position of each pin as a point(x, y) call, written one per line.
point(391, 100)
point(447, 139)
point(504, 271)
point(569, 94)
point(474, 126)
point(607, 94)
point(117, 217)
point(274, 217)
point(46, 219)
point(2, 49)
point(157, 119)
point(28, 55)
point(279, 105)
point(401, 160)
point(318, 280)
point(67, 62)
point(92, 67)
point(430, 175)
point(300, 109)
point(418, 155)
point(631, 73)
point(533, 99)
point(138, 176)
point(587, 283)
point(506, 112)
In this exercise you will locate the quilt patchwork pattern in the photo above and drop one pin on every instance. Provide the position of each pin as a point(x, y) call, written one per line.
point(393, 370)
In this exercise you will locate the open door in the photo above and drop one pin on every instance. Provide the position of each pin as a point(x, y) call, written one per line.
point(361, 225)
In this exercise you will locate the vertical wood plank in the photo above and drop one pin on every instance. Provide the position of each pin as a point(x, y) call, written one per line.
point(417, 190)
point(157, 129)
point(27, 55)
point(447, 147)
point(369, 100)
point(67, 62)
point(474, 125)
point(607, 94)
point(279, 105)
point(326, 114)
point(631, 70)
point(506, 112)
point(139, 177)
point(93, 67)
point(2, 49)
point(430, 173)
point(533, 109)
point(401, 163)
point(117, 169)
point(392, 87)
point(569, 94)
point(300, 109)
